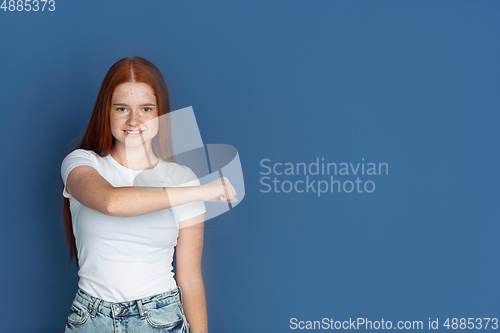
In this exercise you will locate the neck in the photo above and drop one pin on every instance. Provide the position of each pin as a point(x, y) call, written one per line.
point(135, 158)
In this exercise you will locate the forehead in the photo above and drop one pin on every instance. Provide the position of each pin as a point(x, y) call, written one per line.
point(129, 91)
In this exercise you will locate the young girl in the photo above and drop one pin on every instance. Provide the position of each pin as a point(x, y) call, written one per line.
point(123, 236)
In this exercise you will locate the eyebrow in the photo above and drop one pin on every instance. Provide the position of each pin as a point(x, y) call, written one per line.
point(123, 104)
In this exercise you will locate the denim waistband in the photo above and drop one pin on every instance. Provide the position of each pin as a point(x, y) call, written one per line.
point(126, 308)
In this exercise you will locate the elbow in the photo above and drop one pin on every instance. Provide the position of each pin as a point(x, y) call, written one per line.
point(189, 281)
point(109, 207)
point(196, 284)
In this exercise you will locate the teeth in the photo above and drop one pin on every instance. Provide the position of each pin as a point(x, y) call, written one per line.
point(133, 132)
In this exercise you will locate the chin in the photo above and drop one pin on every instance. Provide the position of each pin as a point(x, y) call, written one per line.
point(136, 142)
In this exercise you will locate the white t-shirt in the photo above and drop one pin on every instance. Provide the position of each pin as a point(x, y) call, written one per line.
point(127, 258)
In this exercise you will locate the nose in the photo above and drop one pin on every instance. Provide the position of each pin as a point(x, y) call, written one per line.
point(133, 119)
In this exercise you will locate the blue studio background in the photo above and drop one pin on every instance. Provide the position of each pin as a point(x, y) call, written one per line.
point(414, 84)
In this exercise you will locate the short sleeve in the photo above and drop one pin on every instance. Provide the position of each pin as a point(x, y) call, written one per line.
point(76, 158)
point(186, 177)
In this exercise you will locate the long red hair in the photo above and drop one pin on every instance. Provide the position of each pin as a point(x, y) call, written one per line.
point(98, 135)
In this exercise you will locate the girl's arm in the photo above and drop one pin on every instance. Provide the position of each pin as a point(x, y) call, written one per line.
point(87, 186)
point(188, 273)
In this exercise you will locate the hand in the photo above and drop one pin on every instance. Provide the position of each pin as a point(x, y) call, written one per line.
point(220, 190)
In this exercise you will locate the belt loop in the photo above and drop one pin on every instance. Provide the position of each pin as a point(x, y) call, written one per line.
point(180, 294)
point(141, 310)
point(93, 311)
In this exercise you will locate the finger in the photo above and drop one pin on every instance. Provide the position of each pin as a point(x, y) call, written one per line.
point(230, 189)
point(224, 185)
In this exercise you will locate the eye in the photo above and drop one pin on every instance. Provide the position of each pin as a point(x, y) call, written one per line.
point(121, 109)
point(147, 109)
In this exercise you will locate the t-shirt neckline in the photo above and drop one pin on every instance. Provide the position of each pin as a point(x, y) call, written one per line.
point(115, 162)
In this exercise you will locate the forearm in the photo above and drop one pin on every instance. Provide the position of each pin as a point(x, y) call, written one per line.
point(134, 201)
point(195, 305)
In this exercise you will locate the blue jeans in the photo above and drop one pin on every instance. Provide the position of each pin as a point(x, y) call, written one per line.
point(159, 313)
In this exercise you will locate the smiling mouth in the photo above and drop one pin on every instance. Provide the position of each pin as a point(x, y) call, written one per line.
point(133, 132)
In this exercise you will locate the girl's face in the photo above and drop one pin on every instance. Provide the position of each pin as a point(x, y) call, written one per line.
point(134, 113)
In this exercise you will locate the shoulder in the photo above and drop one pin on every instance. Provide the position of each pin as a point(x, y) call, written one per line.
point(80, 157)
point(84, 153)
